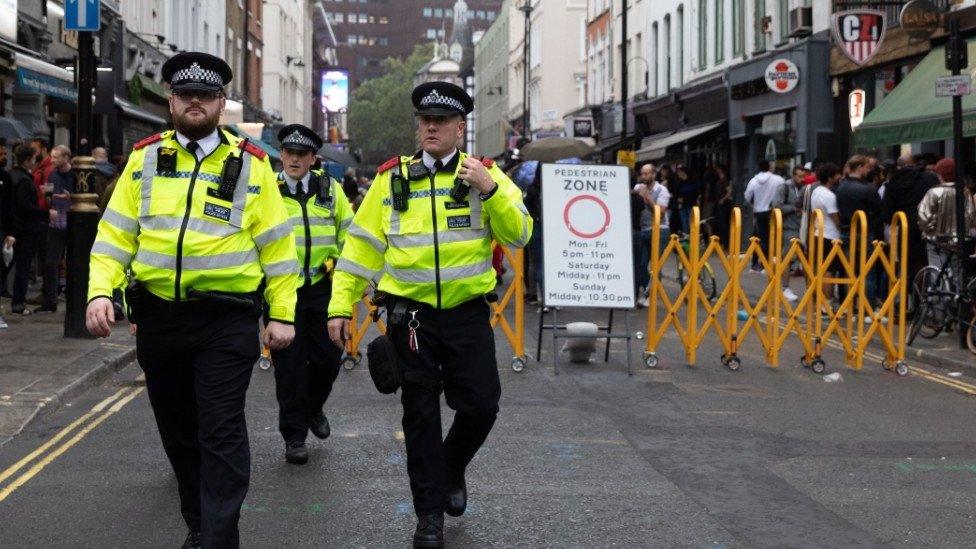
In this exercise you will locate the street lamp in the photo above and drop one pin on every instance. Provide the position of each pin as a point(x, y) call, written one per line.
point(526, 8)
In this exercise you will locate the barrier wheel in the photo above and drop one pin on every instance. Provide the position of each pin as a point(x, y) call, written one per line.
point(264, 363)
point(818, 366)
point(885, 364)
point(901, 368)
point(650, 360)
point(733, 363)
point(350, 362)
point(518, 364)
point(804, 362)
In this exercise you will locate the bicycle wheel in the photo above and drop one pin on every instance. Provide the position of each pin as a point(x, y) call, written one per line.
point(929, 318)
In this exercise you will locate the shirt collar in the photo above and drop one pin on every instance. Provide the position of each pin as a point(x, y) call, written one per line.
point(207, 144)
point(293, 183)
point(429, 160)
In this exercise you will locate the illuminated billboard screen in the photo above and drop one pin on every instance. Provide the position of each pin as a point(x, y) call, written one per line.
point(335, 90)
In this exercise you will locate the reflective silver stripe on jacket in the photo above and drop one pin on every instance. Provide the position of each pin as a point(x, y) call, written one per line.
point(197, 263)
point(448, 274)
point(121, 222)
point(316, 241)
point(240, 192)
point(359, 232)
point(148, 173)
point(104, 248)
point(401, 241)
point(279, 268)
point(273, 234)
point(351, 267)
point(195, 224)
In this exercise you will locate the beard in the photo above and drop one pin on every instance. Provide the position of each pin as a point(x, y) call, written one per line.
point(195, 129)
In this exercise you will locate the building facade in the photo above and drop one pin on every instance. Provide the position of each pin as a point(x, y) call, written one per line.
point(286, 88)
point(491, 74)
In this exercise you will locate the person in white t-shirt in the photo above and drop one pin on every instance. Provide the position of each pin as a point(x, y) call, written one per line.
point(823, 198)
point(763, 193)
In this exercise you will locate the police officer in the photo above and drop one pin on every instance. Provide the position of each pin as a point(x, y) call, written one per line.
point(197, 217)
point(424, 231)
point(320, 215)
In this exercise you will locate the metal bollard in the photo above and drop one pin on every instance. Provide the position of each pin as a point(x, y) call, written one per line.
point(83, 219)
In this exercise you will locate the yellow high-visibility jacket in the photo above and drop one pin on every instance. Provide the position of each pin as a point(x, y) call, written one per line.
point(320, 225)
point(168, 223)
point(437, 251)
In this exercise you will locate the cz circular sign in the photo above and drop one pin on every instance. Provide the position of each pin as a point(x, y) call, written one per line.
point(782, 76)
point(585, 220)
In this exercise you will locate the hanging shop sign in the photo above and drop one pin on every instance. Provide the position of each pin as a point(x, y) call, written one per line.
point(855, 108)
point(782, 76)
point(920, 19)
point(859, 33)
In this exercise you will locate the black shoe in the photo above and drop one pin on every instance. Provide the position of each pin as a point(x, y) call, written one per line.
point(456, 498)
point(46, 309)
point(20, 310)
point(319, 425)
point(430, 531)
point(192, 540)
point(296, 452)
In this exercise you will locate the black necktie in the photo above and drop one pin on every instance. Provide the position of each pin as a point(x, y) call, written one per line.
point(438, 166)
point(192, 146)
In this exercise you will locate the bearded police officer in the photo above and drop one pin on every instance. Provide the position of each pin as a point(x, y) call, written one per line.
point(320, 215)
point(197, 217)
point(424, 232)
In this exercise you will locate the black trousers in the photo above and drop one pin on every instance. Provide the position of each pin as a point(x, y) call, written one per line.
point(761, 229)
point(306, 370)
point(24, 251)
point(198, 364)
point(52, 265)
point(458, 347)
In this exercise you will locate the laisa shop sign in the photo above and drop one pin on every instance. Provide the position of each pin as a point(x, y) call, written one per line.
point(782, 76)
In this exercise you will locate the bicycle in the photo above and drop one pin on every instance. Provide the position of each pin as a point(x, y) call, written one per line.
point(936, 298)
point(706, 276)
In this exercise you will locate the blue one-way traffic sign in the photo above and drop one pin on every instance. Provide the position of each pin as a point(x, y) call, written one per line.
point(81, 15)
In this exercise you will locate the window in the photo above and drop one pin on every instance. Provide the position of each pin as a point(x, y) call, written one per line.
point(667, 52)
point(363, 18)
point(719, 31)
point(738, 40)
point(679, 70)
point(653, 62)
point(759, 45)
point(431, 33)
point(384, 20)
point(383, 41)
point(702, 34)
point(491, 16)
point(428, 12)
point(784, 20)
point(438, 13)
point(339, 18)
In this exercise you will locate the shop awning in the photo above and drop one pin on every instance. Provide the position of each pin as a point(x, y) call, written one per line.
point(272, 152)
point(141, 84)
point(912, 113)
point(657, 148)
point(133, 111)
point(34, 75)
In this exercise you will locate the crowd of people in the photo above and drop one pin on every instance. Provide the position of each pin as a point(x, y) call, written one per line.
point(36, 181)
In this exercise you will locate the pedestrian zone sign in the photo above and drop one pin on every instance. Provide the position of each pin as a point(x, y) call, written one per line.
point(586, 236)
point(82, 15)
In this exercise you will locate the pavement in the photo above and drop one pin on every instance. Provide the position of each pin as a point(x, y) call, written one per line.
point(41, 370)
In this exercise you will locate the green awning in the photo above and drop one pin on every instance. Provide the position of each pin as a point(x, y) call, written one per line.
point(912, 113)
point(141, 85)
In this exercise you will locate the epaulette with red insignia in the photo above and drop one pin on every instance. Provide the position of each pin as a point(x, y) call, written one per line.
point(487, 162)
point(252, 149)
point(147, 141)
point(395, 161)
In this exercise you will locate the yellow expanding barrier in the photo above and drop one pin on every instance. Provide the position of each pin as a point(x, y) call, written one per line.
point(733, 315)
point(512, 299)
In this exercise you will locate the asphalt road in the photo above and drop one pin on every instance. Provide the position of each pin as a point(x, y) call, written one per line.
point(677, 456)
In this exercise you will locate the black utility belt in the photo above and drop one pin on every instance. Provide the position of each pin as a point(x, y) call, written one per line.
point(139, 300)
point(397, 307)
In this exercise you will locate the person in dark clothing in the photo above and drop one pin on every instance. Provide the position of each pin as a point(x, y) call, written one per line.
point(856, 193)
point(903, 192)
point(62, 181)
point(349, 186)
point(688, 195)
point(6, 201)
point(29, 223)
point(722, 212)
point(535, 285)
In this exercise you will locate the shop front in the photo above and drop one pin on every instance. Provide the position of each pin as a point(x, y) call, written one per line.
point(780, 109)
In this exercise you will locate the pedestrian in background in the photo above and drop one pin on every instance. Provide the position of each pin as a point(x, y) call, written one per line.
point(903, 193)
point(687, 194)
point(30, 222)
point(653, 195)
point(760, 193)
point(823, 198)
point(722, 214)
point(535, 282)
point(790, 206)
point(61, 181)
point(937, 213)
point(6, 216)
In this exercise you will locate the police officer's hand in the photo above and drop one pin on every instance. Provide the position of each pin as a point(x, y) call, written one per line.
point(475, 173)
point(278, 335)
point(100, 316)
point(339, 331)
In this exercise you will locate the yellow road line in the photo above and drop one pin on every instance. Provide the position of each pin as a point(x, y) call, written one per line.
point(40, 465)
point(61, 434)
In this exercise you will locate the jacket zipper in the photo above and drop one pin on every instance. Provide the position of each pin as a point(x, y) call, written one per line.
point(186, 220)
point(308, 241)
point(437, 253)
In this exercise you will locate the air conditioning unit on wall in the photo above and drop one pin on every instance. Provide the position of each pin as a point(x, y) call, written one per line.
point(801, 22)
